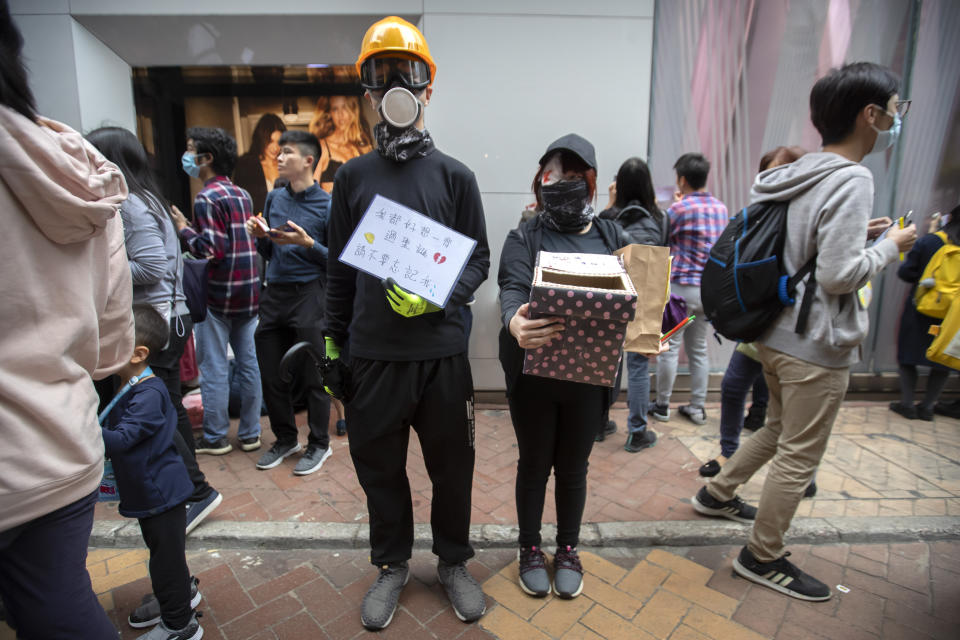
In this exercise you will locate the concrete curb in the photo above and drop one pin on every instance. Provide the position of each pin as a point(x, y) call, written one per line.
point(671, 533)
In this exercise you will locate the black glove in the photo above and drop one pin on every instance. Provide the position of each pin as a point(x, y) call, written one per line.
point(335, 375)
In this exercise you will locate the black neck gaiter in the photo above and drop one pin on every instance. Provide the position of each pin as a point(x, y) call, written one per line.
point(401, 145)
point(565, 207)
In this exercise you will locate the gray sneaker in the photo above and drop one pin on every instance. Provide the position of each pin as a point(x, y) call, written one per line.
point(533, 572)
point(275, 454)
point(696, 415)
point(463, 590)
point(311, 460)
point(193, 631)
point(148, 613)
point(380, 603)
point(567, 573)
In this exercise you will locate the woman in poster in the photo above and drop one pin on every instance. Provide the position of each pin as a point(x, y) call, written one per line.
point(342, 129)
point(256, 170)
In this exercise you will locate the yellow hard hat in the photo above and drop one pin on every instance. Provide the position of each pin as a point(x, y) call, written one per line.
point(395, 35)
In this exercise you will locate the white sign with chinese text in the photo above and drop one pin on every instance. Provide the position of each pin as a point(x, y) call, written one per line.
point(422, 255)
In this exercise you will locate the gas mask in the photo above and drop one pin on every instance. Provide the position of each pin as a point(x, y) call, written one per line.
point(403, 81)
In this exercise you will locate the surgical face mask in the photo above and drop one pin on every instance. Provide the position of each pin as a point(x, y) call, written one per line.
point(885, 139)
point(399, 107)
point(189, 162)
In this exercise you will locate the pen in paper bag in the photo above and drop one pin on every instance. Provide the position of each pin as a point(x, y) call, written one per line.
point(684, 323)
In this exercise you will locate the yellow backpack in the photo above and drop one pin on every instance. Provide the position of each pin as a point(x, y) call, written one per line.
point(940, 283)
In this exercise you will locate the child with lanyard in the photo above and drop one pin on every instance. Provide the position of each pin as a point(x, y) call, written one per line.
point(138, 427)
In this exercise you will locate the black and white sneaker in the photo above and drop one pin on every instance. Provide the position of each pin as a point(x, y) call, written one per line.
point(148, 613)
point(735, 509)
point(660, 411)
point(781, 575)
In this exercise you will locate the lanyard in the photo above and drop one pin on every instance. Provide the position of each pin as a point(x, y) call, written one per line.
point(129, 385)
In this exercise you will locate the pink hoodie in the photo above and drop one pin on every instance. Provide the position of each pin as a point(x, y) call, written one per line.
point(65, 312)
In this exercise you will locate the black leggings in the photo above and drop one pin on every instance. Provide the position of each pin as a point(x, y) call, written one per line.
point(169, 576)
point(935, 383)
point(556, 423)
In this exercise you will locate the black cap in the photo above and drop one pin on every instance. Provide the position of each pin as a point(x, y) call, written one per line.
point(576, 145)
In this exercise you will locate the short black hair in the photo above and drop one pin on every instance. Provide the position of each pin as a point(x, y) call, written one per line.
point(838, 97)
point(694, 167)
point(14, 89)
point(150, 329)
point(219, 144)
point(305, 141)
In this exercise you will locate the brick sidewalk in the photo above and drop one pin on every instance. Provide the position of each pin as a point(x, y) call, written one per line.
point(877, 463)
point(907, 591)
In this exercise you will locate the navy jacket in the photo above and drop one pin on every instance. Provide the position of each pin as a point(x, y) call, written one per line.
point(310, 209)
point(138, 438)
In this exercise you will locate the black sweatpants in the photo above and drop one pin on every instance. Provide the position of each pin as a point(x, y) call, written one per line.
point(291, 313)
point(556, 423)
point(435, 397)
point(169, 576)
point(44, 584)
point(166, 366)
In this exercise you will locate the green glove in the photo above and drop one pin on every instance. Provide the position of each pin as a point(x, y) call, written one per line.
point(333, 351)
point(405, 303)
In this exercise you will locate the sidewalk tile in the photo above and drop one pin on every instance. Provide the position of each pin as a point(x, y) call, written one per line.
point(249, 624)
point(684, 632)
point(580, 632)
point(299, 627)
point(702, 595)
point(278, 586)
point(717, 627)
point(661, 614)
point(602, 568)
point(117, 578)
point(559, 616)
point(610, 597)
point(506, 625)
point(610, 626)
point(762, 610)
point(320, 599)
point(861, 609)
point(643, 580)
point(677, 564)
point(511, 596)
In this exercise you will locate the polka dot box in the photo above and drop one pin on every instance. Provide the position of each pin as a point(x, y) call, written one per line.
point(598, 299)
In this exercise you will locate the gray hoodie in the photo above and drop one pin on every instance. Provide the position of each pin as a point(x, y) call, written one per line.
point(831, 201)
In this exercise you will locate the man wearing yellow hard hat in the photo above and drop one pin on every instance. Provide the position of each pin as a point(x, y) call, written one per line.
point(408, 358)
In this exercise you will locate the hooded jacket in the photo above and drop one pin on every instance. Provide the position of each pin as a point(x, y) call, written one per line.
point(831, 201)
point(66, 312)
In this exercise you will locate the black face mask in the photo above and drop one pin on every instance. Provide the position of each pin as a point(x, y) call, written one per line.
point(401, 145)
point(565, 207)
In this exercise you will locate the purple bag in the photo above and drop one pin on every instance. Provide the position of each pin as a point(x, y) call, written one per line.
point(674, 313)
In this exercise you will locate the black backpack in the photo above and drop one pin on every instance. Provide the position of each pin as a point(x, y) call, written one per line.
point(744, 285)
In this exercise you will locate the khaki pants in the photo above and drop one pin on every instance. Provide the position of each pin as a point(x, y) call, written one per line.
point(804, 401)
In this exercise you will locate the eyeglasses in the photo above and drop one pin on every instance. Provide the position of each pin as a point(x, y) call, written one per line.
point(901, 108)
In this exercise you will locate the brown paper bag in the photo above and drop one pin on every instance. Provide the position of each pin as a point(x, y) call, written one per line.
point(649, 270)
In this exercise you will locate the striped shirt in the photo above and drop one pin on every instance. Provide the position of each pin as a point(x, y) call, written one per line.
point(218, 234)
point(695, 224)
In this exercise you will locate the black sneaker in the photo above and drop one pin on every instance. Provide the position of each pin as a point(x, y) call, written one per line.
point(641, 440)
point(250, 444)
point(148, 613)
point(781, 575)
point(756, 417)
point(735, 509)
point(276, 453)
point(341, 427)
point(567, 573)
point(380, 603)
point(463, 590)
point(660, 411)
point(949, 409)
point(907, 411)
point(533, 572)
point(193, 631)
point(923, 413)
point(811, 490)
point(217, 448)
point(709, 469)
point(606, 430)
point(197, 511)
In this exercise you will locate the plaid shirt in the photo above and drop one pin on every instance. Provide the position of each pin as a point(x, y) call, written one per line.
point(218, 234)
point(695, 224)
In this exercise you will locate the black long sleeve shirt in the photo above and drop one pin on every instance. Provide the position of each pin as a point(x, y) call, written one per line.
point(436, 186)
